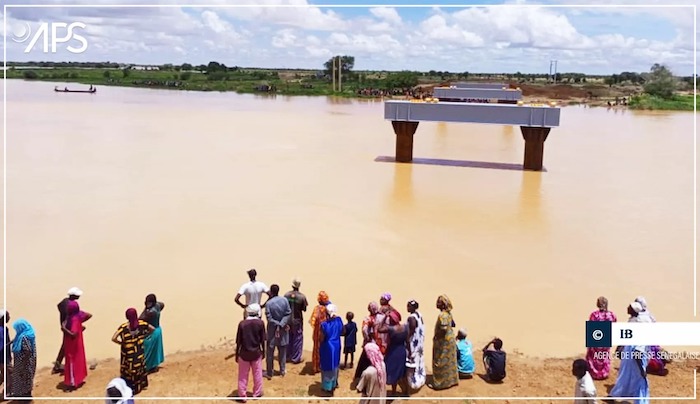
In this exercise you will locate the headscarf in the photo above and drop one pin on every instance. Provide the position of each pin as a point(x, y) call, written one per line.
point(445, 302)
point(332, 310)
point(133, 316)
point(120, 385)
point(602, 303)
point(637, 307)
point(641, 300)
point(72, 311)
point(23, 330)
point(374, 354)
point(323, 298)
point(151, 299)
point(373, 307)
point(413, 304)
point(253, 310)
point(386, 296)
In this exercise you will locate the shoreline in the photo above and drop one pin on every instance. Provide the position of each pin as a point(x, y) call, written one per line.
point(561, 101)
point(189, 374)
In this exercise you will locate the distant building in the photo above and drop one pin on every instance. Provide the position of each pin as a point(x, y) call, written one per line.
point(135, 67)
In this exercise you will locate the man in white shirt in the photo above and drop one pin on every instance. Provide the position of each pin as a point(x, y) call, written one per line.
point(584, 389)
point(252, 291)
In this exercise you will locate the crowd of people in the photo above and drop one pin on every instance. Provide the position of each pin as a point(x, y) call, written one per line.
point(391, 349)
point(140, 340)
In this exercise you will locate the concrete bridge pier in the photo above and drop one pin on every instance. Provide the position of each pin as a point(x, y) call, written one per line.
point(404, 139)
point(534, 146)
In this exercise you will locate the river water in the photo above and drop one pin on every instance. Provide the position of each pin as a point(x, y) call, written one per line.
point(133, 191)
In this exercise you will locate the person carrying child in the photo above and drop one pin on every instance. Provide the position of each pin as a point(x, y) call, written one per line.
point(350, 340)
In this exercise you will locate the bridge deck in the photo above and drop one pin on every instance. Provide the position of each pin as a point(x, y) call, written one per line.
point(492, 86)
point(499, 114)
point(476, 93)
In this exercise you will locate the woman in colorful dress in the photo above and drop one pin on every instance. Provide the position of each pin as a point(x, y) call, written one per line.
point(599, 358)
point(75, 370)
point(395, 357)
point(329, 351)
point(153, 345)
point(318, 316)
point(372, 384)
point(415, 360)
point(369, 334)
point(445, 373)
point(131, 336)
point(24, 351)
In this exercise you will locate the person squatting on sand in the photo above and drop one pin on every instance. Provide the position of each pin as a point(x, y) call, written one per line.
point(118, 392)
point(329, 350)
point(415, 355)
point(153, 345)
point(465, 355)
point(495, 360)
point(74, 293)
point(131, 336)
point(298, 303)
point(445, 374)
point(372, 382)
point(278, 313)
point(318, 316)
point(584, 389)
point(24, 353)
point(76, 369)
point(252, 290)
point(250, 351)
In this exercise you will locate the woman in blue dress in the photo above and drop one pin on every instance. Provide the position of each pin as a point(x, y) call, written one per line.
point(153, 345)
point(329, 351)
point(395, 357)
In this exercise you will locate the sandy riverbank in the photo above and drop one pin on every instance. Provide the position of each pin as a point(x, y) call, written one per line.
point(208, 373)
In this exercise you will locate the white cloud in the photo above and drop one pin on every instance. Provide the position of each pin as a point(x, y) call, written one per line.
point(387, 14)
point(284, 39)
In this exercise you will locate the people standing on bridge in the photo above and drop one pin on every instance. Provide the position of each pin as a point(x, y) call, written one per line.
point(74, 293)
point(317, 318)
point(445, 374)
point(278, 313)
point(253, 291)
point(599, 358)
point(298, 303)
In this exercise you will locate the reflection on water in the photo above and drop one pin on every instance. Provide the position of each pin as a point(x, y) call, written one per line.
point(185, 191)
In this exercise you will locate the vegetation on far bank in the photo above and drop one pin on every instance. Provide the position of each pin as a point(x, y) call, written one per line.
point(657, 89)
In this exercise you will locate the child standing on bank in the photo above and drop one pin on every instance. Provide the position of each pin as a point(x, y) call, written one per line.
point(350, 341)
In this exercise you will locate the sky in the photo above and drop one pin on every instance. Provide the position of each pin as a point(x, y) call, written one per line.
point(489, 36)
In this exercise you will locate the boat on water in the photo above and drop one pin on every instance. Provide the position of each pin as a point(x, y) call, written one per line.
point(92, 90)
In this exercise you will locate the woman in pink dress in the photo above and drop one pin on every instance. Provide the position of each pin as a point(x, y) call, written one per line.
point(599, 358)
point(76, 363)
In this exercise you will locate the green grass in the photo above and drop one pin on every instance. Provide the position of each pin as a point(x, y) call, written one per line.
point(649, 102)
point(239, 81)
